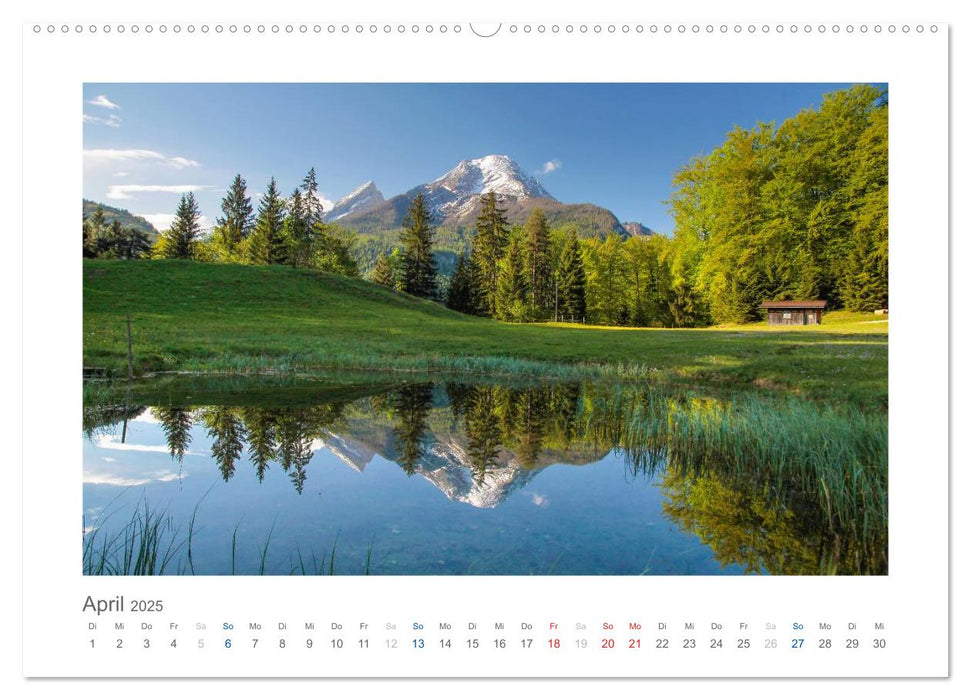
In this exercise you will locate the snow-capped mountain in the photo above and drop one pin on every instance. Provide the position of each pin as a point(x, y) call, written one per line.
point(361, 200)
point(454, 200)
point(457, 192)
point(445, 462)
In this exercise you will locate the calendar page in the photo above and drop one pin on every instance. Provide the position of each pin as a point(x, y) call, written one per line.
point(430, 347)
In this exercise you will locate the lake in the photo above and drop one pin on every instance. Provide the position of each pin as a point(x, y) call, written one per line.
point(445, 478)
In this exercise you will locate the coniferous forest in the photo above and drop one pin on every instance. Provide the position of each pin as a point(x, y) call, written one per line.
point(797, 210)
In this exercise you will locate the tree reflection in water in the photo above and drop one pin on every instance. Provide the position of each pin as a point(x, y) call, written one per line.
point(738, 473)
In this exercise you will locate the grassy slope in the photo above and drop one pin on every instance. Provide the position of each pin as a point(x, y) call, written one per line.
point(195, 316)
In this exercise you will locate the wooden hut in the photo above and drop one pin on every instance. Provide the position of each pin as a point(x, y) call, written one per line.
point(794, 313)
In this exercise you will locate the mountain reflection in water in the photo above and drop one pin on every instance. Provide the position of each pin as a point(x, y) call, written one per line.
point(632, 474)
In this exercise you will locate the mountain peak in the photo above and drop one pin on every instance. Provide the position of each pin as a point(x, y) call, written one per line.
point(636, 228)
point(362, 199)
point(455, 199)
point(491, 173)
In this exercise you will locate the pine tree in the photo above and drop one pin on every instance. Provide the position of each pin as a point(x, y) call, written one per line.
point(114, 241)
point(313, 208)
point(538, 266)
point(513, 286)
point(237, 220)
point(383, 273)
point(266, 243)
point(260, 437)
point(411, 406)
point(180, 239)
point(177, 427)
point(93, 230)
point(419, 269)
point(482, 429)
point(294, 435)
point(462, 294)
point(489, 248)
point(87, 250)
point(572, 283)
point(226, 429)
point(296, 231)
point(135, 244)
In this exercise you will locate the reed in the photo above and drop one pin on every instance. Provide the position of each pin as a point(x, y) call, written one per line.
point(148, 544)
point(836, 455)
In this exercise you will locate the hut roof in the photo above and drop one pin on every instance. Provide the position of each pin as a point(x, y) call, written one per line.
point(804, 304)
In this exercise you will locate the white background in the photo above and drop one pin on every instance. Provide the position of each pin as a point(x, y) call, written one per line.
point(917, 369)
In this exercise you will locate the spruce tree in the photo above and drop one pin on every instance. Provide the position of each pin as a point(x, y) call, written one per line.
point(418, 269)
point(482, 429)
point(180, 239)
point(572, 283)
point(134, 244)
point(489, 248)
point(462, 294)
point(383, 273)
point(114, 241)
point(513, 286)
point(296, 230)
point(411, 407)
point(313, 208)
point(237, 220)
point(226, 429)
point(260, 437)
point(538, 267)
point(94, 227)
point(177, 428)
point(266, 243)
point(87, 247)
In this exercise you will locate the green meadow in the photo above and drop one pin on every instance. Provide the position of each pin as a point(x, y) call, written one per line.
point(198, 317)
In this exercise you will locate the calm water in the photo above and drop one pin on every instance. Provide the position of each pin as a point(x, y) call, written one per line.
point(418, 479)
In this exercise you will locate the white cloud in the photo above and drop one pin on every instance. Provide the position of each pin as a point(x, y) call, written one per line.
point(126, 191)
point(112, 120)
point(108, 479)
point(119, 155)
point(180, 162)
point(119, 174)
point(164, 221)
point(111, 480)
point(550, 166)
point(103, 101)
point(146, 416)
point(103, 156)
point(159, 221)
point(113, 442)
point(539, 500)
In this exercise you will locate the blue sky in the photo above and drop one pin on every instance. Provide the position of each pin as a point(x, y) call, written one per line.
point(616, 145)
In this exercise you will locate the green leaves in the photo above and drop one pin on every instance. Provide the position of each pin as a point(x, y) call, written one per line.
point(798, 211)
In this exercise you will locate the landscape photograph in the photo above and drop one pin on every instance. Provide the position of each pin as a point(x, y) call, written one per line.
point(485, 329)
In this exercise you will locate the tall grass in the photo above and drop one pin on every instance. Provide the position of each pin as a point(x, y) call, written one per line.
point(836, 455)
point(150, 544)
